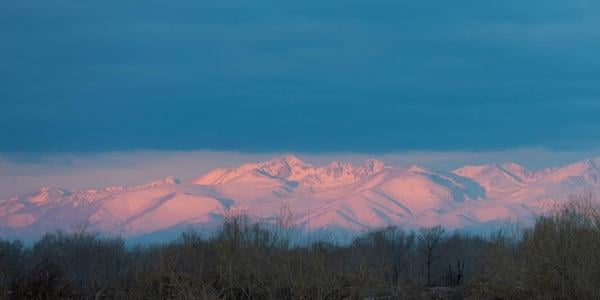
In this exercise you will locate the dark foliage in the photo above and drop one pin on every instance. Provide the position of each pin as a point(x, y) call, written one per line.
point(557, 258)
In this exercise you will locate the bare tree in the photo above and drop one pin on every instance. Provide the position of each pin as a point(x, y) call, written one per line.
point(430, 238)
point(285, 218)
point(82, 228)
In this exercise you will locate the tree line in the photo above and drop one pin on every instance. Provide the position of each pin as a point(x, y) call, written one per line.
point(558, 257)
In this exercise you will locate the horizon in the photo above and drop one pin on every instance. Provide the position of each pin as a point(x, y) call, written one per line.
point(72, 172)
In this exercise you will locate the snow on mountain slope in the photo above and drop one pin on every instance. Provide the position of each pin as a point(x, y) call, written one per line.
point(497, 179)
point(338, 196)
point(583, 173)
point(139, 212)
point(292, 169)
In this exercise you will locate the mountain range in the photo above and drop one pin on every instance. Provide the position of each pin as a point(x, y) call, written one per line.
point(337, 196)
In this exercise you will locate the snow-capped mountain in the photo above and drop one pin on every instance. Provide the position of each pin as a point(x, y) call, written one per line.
point(291, 169)
point(337, 195)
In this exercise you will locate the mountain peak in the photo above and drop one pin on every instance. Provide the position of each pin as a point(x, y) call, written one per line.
point(291, 168)
point(169, 180)
point(512, 165)
point(509, 167)
point(287, 159)
point(374, 165)
point(47, 194)
point(291, 159)
point(339, 165)
point(416, 168)
point(587, 170)
point(589, 163)
point(282, 167)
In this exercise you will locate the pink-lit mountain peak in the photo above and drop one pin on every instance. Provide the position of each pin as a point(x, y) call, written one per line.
point(337, 194)
point(47, 194)
point(283, 167)
point(291, 168)
point(586, 171)
point(169, 180)
point(511, 170)
point(518, 171)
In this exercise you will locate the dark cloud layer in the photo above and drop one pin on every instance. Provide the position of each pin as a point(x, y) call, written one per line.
point(312, 76)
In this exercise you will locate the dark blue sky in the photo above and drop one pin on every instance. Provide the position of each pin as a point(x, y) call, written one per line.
point(302, 76)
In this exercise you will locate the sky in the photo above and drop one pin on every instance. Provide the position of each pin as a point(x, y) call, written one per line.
point(85, 85)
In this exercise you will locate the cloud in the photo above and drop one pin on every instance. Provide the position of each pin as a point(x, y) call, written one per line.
point(302, 76)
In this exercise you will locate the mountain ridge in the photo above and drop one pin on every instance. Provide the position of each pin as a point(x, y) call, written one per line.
point(334, 195)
